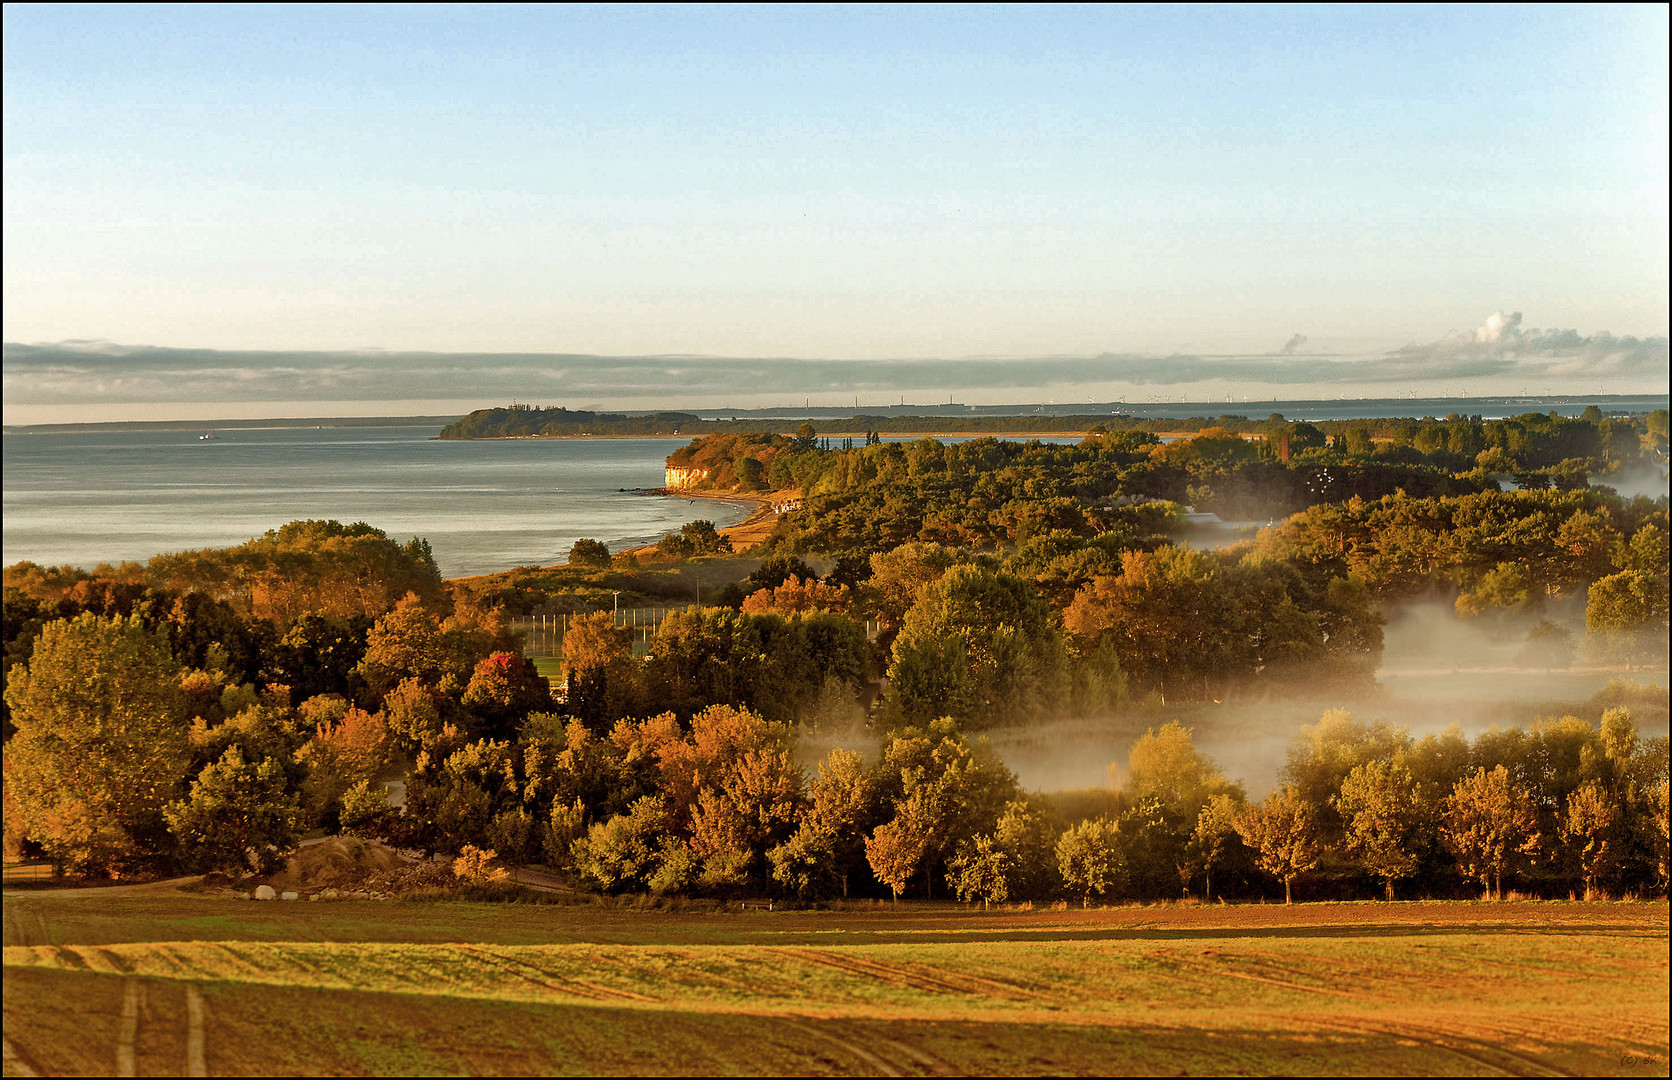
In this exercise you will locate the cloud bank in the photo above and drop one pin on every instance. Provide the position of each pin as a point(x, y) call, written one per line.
point(1500, 356)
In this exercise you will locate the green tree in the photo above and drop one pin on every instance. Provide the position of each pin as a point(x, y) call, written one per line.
point(1625, 615)
point(590, 553)
point(1027, 834)
point(239, 817)
point(1017, 660)
point(366, 809)
point(1165, 765)
point(1283, 833)
point(1088, 857)
point(1214, 835)
point(1660, 826)
point(899, 576)
point(1383, 814)
point(1322, 755)
point(703, 538)
point(830, 839)
point(622, 853)
point(101, 744)
point(805, 864)
point(1490, 823)
point(1588, 828)
point(410, 642)
point(980, 869)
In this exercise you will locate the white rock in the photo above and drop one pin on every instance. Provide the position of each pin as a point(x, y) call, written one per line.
point(265, 892)
point(288, 896)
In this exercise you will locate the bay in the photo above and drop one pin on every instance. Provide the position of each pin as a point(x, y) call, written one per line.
point(89, 497)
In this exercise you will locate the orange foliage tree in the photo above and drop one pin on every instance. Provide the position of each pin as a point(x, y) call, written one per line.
point(799, 595)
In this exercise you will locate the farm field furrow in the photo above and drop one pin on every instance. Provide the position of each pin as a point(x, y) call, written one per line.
point(1534, 989)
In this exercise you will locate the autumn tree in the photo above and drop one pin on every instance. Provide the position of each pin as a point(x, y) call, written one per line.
point(899, 576)
point(101, 745)
point(504, 689)
point(1660, 825)
point(954, 788)
point(1490, 823)
point(798, 595)
point(604, 681)
point(1165, 614)
point(349, 745)
point(1283, 833)
point(733, 783)
point(898, 847)
point(1384, 819)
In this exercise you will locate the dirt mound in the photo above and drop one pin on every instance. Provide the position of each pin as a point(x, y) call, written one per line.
point(342, 862)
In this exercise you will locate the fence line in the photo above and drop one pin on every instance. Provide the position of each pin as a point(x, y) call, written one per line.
point(544, 632)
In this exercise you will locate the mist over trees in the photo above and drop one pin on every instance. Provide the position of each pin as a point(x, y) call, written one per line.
point(205, 709)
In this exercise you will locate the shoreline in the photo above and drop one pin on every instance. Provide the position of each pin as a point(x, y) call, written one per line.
point(744, 535)
point(1077, 432)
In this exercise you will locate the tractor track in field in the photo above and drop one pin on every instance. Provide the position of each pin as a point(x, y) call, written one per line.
point(934, 980)
point(1286, 984)
point(133, 995)
point(1463, 1046)
point(878, 1066)
point(195, 1064)
point(931, 1065)
point(567, 984)
point(15, 1063)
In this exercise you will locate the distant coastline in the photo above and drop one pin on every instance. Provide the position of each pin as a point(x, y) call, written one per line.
point(943, 420)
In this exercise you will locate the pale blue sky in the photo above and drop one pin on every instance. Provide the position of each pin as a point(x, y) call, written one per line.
point(831, 183)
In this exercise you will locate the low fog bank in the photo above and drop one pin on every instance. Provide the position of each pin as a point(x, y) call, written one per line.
point(1648, 482)
point(1250, 741)
point(1437, 670)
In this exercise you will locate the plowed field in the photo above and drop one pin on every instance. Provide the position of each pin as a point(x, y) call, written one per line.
point(97, 983)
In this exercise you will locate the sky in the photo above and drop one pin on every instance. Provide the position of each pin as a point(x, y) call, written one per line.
point(216, 211)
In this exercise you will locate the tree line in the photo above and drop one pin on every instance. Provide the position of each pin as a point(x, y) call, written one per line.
point(124, 761)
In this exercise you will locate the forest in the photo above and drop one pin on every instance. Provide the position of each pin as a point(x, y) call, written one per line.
point(205, 710)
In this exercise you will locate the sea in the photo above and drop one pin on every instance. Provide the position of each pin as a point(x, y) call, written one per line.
point(84, 497)
point(106, 493)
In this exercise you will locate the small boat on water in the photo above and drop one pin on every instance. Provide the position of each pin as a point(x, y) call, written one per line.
point(206, 436)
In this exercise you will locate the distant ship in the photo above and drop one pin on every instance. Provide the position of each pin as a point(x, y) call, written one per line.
point(207, 435)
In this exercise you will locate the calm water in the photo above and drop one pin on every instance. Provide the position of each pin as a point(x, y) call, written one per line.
point(90, 497)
